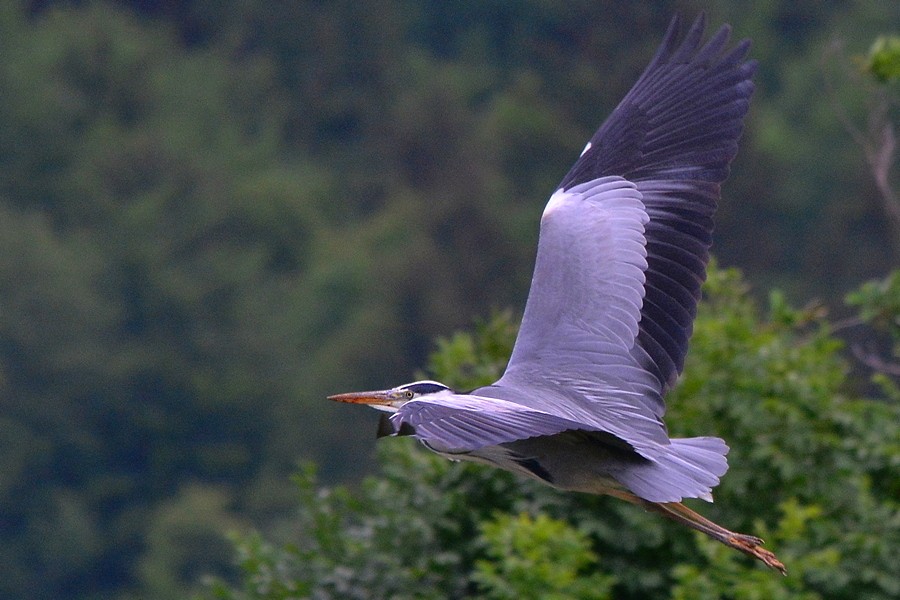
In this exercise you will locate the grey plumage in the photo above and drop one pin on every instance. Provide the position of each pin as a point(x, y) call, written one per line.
point(622, 253)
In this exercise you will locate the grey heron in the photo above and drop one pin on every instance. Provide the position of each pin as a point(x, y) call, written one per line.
point(622, 252)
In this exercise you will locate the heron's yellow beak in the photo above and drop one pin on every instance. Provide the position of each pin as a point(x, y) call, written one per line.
point(379, 398)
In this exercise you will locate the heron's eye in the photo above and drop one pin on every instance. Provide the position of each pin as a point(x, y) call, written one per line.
point(409, 394)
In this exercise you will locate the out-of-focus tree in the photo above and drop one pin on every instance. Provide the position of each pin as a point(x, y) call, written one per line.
point(185, 544)
point(879, 75)
point(797, 181)
point(133, 251)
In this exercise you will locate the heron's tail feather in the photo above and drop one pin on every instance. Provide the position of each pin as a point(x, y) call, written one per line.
point(690, 468)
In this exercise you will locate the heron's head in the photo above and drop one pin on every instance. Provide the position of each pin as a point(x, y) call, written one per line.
point(392, 399)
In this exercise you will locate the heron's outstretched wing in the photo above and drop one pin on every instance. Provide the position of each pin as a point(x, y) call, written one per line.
point(618, 271)
point(674, 135)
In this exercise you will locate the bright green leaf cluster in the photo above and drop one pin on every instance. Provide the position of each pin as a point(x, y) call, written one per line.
point(884, 58)
point(537, 558)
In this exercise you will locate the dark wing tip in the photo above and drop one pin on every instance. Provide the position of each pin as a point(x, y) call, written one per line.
point(691, 41)
point(685, 72)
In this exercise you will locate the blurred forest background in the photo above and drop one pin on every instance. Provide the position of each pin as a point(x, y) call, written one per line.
point(213, 214)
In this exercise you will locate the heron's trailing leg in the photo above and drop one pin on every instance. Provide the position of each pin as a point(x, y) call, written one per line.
point(748, 544)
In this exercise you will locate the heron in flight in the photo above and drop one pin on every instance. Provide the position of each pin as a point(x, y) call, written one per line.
point(622, 253)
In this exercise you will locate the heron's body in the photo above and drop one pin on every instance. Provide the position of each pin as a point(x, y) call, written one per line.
point(621, 256)
point(679, 468)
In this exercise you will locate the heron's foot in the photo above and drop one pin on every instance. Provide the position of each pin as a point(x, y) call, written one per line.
point(752, 545)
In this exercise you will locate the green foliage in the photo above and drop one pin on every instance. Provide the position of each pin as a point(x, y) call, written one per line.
point(469, 359)
point(884, 58)
point(132, 263)
point(396, 537)
point(811, 471)
point(185, 543)
point(878, 303)
point(538, 558)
